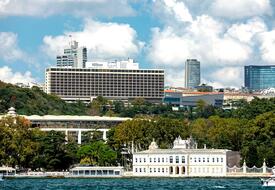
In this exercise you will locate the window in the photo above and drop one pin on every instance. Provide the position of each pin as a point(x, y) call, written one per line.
point(144, 160)
point(177, 159)
point(171, 159)
point(159, 170)
point(199, 159)
point(140, 170)
point(207, 159)
point(183, 159)
point(203, 159)
point(155, 170)
point(144, 169)
point(158, 159)
point(150, 159)
point(195, 159)
point(136, 160)
point(150, 170)
point(162, 170)
point(213, 159)
point(217, 159)
point(162, 159)
point(221, 159)
point(155, 159)
point(140, 160)
point(136, 170)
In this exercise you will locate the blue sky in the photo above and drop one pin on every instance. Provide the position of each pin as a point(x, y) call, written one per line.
point(156, 33)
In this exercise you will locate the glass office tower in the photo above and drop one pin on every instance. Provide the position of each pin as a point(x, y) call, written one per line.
point(192, 73)
point(259, 77)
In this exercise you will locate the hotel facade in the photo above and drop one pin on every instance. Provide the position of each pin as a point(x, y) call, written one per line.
point(113, 83)
point(183, 160)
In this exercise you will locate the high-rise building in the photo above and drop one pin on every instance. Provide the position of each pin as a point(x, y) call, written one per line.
point(258, 77)
point(104, 80)
point(73, 56)
point(192, 73)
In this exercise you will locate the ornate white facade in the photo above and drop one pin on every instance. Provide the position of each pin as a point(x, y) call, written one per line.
point(183, 160)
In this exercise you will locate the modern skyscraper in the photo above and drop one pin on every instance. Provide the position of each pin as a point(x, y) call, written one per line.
point(192, 73)
point(73, 56)
point(259, 77)
point(115, 80)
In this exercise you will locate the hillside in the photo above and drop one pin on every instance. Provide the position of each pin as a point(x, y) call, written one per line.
point(35, 101)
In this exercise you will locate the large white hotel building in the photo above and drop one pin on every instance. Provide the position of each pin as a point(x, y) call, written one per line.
point(183, 160)
point(121, 80)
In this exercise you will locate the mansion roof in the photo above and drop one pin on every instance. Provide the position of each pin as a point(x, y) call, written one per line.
point(187, 146)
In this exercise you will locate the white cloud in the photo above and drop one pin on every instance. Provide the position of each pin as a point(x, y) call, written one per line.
point(103, 41)
point(7, 75)
point(237, 9)
point(171, 10)
point(43, 8)
point(244, 32)
point(167, 48)
point(204, 39)
point(267, 46)
point(226, 77)
point(9, 50)
point(223, 48)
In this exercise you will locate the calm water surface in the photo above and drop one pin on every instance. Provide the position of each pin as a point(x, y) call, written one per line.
point(131, 183)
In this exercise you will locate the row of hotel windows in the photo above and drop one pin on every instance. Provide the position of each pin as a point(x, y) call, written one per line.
point(177, 159)
point(107, 94)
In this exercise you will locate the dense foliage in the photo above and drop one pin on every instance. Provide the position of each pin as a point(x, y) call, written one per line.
point(27, 147)
point(249, 129)
point(35, 102)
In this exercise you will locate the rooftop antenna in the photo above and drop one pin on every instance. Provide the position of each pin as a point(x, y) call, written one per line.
point(70, 40)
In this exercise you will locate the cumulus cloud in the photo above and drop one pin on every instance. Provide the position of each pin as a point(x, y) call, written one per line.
point(44, 8)
point(9, 50)
point(223, 48)
point(204, 39)
point(7, 75)
point(172, 9)
point(237, 9)
point(103, 41)
point(244, 32)
point(267, 46)
point(226, 77)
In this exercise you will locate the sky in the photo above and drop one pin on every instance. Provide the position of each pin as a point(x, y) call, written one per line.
point(224, 35)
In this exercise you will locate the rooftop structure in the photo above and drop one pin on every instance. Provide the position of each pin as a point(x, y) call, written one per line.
point(128, 64)
point(73, 56)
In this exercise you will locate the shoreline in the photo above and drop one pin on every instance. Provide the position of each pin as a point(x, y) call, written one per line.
point(137, 177)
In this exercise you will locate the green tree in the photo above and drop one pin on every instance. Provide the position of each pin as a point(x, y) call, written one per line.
point(97, 153)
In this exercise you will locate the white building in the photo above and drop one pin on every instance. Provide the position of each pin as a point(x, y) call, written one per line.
point(71, 125)
point(73, 84)
point(183, 160)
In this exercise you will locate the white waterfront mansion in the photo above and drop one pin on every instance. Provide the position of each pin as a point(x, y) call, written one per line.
point(183, 160)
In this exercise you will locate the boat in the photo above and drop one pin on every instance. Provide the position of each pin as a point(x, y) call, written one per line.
point(270, 182)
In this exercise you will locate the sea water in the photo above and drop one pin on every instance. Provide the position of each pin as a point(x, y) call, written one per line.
point(131, 184)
